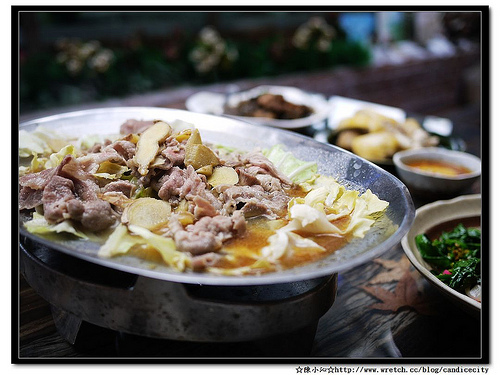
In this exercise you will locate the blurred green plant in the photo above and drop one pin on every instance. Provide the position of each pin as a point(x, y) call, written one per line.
point(212, 56)
point(75, 71)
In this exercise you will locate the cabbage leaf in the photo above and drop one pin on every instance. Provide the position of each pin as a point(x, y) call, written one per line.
point(55, 140)
point(42, 141)
point(38, 225)
point(287, 243)
point(259, 264)
point(297, 170)
point(56, 158)
point(29, 144)
point(316, 214)
point(110, 170)
point(164, 245)
point(86, 142)
point(125, 238)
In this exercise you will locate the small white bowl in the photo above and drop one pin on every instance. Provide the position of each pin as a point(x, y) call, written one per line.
point(424, 182)
point(430, 216)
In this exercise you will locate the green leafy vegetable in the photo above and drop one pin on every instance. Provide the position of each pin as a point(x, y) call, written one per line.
point(455, 256)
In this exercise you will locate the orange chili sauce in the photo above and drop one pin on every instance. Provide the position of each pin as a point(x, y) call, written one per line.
point(441, 167)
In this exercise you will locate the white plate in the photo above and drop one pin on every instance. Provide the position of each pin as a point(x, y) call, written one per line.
point(429, 216)
point(213, 103)
point(342, 108)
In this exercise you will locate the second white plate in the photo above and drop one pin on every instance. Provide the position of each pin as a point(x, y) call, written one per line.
point(213, 103)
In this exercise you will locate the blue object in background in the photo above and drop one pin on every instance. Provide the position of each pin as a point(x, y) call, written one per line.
point(358, 27)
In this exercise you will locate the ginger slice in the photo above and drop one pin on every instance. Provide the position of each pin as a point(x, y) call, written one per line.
point(148, 145)
point(149, 213)
point(197, 154)
point(223, 176)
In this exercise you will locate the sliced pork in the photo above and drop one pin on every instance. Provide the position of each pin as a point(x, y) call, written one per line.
point(29, 198)
point(178, 184)
point(124, 187)
point(132, 126)
point(174, 151)
point(33, 184)
point(201, 262)
point(254, 200)
point(71, 191)
point(56, 195)
point(264, 166)
point(207, 234)
point(66, 192)
point(97, 214)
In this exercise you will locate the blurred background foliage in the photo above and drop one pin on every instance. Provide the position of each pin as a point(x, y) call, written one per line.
point(70, 57)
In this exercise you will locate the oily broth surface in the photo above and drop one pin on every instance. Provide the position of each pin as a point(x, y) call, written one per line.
point(246, 249)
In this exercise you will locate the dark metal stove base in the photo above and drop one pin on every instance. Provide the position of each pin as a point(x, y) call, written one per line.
point(143, 314)
point(294, 344)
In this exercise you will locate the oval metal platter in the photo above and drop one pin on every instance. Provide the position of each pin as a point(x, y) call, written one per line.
point(349, 169)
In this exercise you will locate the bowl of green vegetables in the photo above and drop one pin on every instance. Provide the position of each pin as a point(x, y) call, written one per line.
point(444, 245)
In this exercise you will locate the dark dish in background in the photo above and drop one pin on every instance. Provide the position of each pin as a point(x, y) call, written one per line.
point(276, 106)
point(269, 106)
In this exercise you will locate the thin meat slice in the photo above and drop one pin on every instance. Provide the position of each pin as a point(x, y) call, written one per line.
point(203, 208)
point(29, 198)
point(125, 149)
point(97, 214)
point(133, 126)
point(207, 234)
point(171, 185)
point(192, 241)
point(108, 153)
point(253, 176)
point(174, 151)
point(39, 180)
point(254, 201)
point(124, 187)
point(201, 262)
point(257, 159)
point(178, 184)
point(56, 196)
point(33, 184)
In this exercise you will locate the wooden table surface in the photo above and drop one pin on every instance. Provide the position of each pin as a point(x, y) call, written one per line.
point(357, 326)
